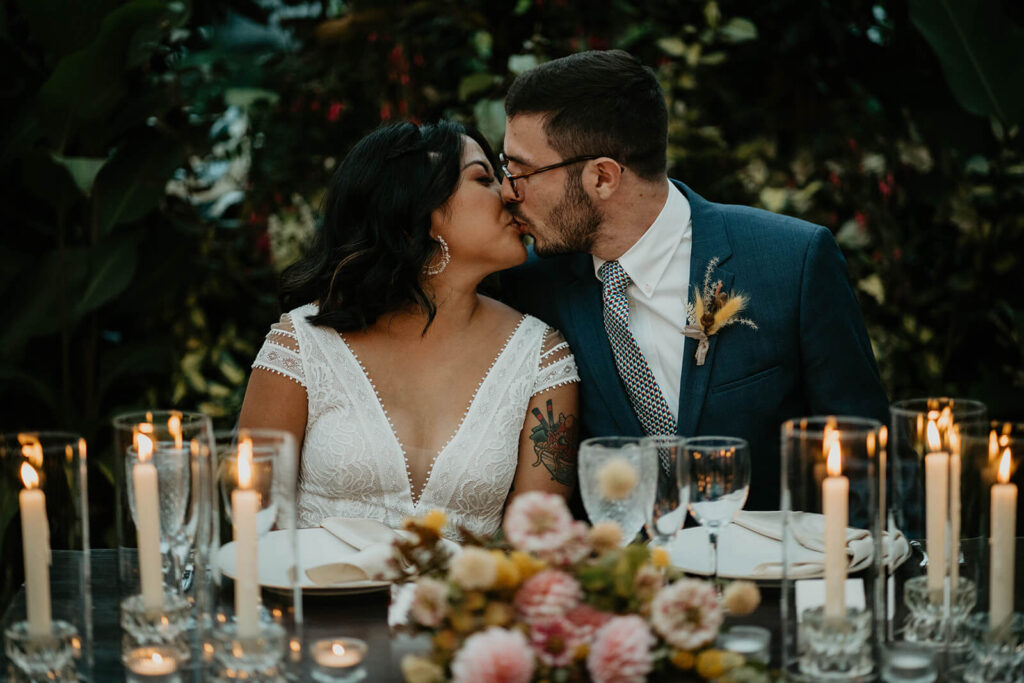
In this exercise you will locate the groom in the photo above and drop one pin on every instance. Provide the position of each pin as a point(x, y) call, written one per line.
point(625, 251)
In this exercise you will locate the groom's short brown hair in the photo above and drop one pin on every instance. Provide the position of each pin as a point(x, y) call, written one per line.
point(598, 102)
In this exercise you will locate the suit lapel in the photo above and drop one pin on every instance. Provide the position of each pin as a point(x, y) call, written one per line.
point(709, 241)
point(586, 316)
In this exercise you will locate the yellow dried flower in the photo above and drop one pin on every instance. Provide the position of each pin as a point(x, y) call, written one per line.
point(507, 572)
point(421, 670)
point(715, 663)
point(527, 564)
point(605, 536)
point(473, 569)
point(659, 558)
point(474, 600)
point(741, 597)
point(445, 640)
point(434, 520)
point(462, 622)
point(498, 614)
point(616, 479)
point(682, 659)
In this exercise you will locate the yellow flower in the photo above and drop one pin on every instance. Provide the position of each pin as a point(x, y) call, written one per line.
point(445, 640)
point(682, 659)
point(616, 479)
point(462, 622)
point(421, 670)
point(498, 614)
point(527, 564)
point(434, 520)
point(741, 597)
point(507, 571)
point(715, 663)
point(659, 558)
point(605, 536)
point(474, 600)
point(473, 569)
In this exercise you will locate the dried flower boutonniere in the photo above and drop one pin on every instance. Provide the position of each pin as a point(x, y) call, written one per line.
point(711, 310)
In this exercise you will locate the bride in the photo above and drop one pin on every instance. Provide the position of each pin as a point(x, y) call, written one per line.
point(406, 389)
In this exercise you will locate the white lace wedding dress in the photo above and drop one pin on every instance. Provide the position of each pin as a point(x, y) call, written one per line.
point(353, 464)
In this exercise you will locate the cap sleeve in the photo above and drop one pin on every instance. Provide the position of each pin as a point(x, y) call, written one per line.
point(280, 352)
point(557, 366)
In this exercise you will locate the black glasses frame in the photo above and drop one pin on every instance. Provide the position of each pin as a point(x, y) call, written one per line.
point(503, 160)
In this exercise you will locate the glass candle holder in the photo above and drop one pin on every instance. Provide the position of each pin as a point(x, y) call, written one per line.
point(837, 547)
point(931, 503)
point(257, 483)
point(47, 628)
point(338, 660)
point(163, 472)
point(908, 663)
point(151, 665)
point(753, 642)
point(997, 654)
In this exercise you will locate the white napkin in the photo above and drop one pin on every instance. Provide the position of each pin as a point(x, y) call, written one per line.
point(809, 532)
point(373, 540)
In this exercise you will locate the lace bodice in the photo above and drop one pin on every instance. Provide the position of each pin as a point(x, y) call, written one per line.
point(353, 464)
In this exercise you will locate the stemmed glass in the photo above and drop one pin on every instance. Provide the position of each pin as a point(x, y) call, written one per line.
point(719, 483)
point(672, 494)
point(618, 476)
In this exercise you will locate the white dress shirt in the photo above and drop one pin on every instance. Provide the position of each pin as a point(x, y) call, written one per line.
point(659, 266)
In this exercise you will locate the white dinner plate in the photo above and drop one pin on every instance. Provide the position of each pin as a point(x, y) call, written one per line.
point(317, 546)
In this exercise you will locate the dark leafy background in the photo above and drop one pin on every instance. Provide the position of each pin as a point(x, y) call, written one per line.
point(161, 161)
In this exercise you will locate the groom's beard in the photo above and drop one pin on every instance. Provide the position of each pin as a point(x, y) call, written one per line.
point(573, 222)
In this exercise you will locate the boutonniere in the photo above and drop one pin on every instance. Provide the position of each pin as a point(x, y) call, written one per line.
point(711, 310)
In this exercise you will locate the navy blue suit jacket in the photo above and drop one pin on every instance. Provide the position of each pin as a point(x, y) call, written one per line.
point(809, 356)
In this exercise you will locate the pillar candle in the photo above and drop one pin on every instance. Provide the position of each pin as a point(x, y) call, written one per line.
point(1002, 539)
point(936, 485)
point(147, 525)
point(835, 493)
point(35, 539)
point(244, 506)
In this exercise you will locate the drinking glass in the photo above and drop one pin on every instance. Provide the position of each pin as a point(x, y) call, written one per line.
point(719, 483)
point(618, 477)
point(673, 489)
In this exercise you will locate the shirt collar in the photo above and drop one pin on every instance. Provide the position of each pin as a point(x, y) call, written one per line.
point(649, 257)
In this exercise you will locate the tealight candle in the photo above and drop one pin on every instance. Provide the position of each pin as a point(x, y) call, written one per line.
point(750, 641)
point(339, 658)
point(152, 664)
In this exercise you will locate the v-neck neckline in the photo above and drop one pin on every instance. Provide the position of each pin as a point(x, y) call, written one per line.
point(415, 499)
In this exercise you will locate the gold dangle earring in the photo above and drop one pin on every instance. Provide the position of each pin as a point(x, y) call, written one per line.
point(446, 258)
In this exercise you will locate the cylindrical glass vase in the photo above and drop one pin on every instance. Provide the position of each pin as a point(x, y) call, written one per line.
point(47, 630)
point(836, 547)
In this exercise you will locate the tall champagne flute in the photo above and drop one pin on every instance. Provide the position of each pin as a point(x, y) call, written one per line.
point(719, 483)
point(618, 476)
point(673, 489)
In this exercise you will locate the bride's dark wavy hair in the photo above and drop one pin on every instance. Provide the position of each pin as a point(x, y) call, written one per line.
point(374, 240)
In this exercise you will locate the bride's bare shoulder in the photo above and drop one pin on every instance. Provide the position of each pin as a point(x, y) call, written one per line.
point(499, 312)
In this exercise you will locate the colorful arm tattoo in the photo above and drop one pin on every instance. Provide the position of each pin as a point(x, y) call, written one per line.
point(554, 443)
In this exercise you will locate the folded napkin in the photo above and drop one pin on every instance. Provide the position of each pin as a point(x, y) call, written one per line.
point(372, 539)
point(808, 530)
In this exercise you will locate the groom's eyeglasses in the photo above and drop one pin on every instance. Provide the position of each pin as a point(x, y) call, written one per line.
point(513, 178)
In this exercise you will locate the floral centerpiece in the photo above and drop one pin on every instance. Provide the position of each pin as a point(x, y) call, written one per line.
point(557, 600)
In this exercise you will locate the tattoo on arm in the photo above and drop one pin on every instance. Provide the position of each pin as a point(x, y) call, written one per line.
point(554, 444)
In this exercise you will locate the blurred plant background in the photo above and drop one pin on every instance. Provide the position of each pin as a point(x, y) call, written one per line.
point(161, 162)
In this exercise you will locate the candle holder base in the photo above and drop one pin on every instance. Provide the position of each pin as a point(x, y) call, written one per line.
point(329, 666)
point(836, 649)
point(926, 623)
point(41, 658)
point(256, 658)
point(997, 655)
point(167, 626)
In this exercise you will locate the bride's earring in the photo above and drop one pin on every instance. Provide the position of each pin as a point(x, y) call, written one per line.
point(446, 257)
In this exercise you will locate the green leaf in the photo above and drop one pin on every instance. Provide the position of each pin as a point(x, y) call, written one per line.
point(110, 271)
point(672, 46)
point(473, 84)
point(979, 48)
point(738, 30)
point(152, 357)
point(490, 119)
point(133, 181)
point(50, 181)
point(83, 170)
point(246, 97)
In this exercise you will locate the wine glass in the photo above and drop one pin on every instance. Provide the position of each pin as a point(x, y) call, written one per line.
point(719, 483)
point(673, 489)
point(618, 476)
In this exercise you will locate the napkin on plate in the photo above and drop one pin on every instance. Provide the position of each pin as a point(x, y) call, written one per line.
point(809, 531)
point(373, 541)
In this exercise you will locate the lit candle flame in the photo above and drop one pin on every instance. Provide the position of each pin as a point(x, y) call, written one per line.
point(954, 441)
point(245, 463)
point(144, 447)
point(31, 449)
point(933, 438)
point(31, 479)
point(338, 649)
point(834, 463)
point(1004, 467)
point(993, 445)
point(174, 429)
point(157, 659)
point(142, 428)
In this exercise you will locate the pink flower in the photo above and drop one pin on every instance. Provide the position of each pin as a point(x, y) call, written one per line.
point(429, 602)
point(587, 620)
point(546, 595)
point(687, 613)
point(575, 548)
point(621, 652)
point(555, 641)
point(494, 656)
point(538, 521)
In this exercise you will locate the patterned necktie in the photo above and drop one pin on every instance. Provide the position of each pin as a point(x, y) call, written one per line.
point(648, 402)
